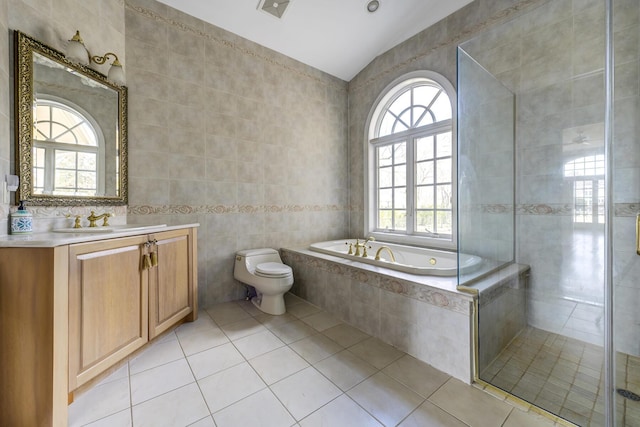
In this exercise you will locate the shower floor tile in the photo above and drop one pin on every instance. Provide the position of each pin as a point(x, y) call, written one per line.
point(564, 376)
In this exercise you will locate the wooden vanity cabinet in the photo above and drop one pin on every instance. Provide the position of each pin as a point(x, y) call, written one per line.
point(123, 293)
point(68, 313)
point(108, 305)
point(171, 279)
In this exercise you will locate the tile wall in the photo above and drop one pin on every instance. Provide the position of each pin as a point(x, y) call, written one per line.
point(229, 134)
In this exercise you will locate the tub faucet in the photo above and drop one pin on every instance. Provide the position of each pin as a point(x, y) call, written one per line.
point(93, 218)
point(364, 246)
point(393, 258)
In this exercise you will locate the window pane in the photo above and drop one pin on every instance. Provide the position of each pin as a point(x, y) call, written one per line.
point(442, 107)
point(425, 222)
point(444, 145)
point(424, 119)
point(443, 193)
point(385, 155)
point(62, 134)
point(87, 180)
point(423, 95)
point(400, 198)
point(400, 175)
point(420, 116)
point(443, 170)
point(87, 161)
point(41, 131)
point(65, 179)
point(403, 123)
point(444, 225)
point(425, 198)
point(401, 104)
point(85, 135)
point(386, 127)
point(424, 173)
point(65, 159)
point(400, 153)
point(385, 199)
point(38, 157)
point(385, 177)
point(400, 220)
point(424, 148)
point(39, 178)
point(385, 219)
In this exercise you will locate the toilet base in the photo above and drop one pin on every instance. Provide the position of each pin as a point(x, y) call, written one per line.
point(270, 304)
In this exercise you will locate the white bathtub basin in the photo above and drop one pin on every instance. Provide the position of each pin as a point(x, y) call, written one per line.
point(414, 260)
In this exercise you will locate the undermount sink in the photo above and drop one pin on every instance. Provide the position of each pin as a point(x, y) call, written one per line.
point(108, 229)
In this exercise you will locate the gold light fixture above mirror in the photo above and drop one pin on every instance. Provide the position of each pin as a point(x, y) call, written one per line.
point(77, 52)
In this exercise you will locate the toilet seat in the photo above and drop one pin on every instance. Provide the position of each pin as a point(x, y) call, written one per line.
point(273, 270)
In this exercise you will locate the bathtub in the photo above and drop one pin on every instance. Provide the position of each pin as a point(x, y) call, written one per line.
point(409, 259)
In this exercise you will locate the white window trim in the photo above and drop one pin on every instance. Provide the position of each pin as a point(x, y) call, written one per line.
point(369, 160)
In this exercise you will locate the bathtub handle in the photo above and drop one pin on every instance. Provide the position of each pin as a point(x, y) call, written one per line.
point(350, 248)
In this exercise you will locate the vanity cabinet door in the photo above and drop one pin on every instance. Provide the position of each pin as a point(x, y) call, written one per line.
point(108, 305)
point(172, 279)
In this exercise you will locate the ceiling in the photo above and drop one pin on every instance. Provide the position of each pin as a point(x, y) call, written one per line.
point(339, 37)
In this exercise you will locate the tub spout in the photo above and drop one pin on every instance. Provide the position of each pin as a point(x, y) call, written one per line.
point(393, 258)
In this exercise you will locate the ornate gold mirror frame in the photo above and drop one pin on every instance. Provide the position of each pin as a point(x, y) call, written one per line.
point(26, 50)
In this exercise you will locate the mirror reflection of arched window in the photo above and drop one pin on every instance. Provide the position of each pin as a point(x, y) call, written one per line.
point(67, 148)
point(587, 174)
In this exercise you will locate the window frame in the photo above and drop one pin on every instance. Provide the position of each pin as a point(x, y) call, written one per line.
point(376, 114)
point(594, 179)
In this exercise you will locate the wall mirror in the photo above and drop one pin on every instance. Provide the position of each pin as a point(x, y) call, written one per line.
point(70, 130)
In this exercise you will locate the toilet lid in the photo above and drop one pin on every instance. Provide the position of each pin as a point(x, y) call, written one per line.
point(273, 269)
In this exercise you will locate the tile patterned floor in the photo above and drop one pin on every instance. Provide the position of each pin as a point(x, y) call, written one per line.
point(564, 376)
point(236, 366)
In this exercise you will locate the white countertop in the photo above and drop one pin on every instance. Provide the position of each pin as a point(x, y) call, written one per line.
point(53, 239)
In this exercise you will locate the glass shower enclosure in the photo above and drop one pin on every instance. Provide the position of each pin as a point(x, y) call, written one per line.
point(549, 184)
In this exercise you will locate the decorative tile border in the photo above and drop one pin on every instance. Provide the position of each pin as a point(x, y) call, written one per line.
point(228, 209)
point(627, 209)
point(199, 33)
point(62, 211)
point(417, 291)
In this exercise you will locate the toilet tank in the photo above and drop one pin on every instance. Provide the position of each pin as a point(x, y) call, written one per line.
point(253, 257)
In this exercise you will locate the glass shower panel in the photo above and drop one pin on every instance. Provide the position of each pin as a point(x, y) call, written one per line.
point(486, 121)
point(626, 202)
point(550, 58)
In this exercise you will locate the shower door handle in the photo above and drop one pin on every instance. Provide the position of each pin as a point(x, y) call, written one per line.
point(638, 234)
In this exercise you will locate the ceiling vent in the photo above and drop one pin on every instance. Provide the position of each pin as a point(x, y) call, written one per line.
point(274, 7)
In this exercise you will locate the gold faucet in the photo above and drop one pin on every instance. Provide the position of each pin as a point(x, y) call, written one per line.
point(393, 259)
point(93, 218)
point(76, 223)
point(364, 246)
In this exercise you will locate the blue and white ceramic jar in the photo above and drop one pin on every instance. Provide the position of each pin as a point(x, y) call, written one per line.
point(21, 220)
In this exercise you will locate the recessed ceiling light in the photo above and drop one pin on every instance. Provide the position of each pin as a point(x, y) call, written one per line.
point(373, 5)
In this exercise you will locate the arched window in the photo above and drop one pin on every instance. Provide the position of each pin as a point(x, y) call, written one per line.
point(66, 151)
point(411, 162)
point(587, 174)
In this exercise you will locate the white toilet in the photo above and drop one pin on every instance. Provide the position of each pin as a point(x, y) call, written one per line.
point(263, 269)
